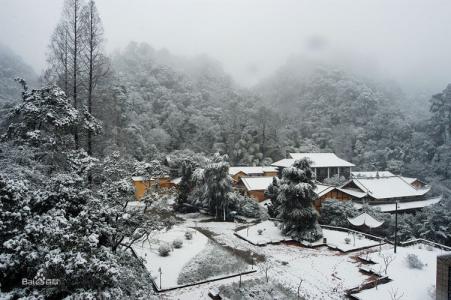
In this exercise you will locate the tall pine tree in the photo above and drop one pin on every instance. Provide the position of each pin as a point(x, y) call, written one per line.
point(295, 198)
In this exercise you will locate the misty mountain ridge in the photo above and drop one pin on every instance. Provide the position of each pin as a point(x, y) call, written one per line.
point(171, 102)
point(11, 67)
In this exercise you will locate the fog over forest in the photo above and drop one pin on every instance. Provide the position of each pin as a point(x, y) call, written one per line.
point(401, 40)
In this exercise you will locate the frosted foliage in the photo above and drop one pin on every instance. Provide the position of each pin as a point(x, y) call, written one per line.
point(296, 195)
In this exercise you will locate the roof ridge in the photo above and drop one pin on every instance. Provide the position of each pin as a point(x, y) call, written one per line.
point(402, 178)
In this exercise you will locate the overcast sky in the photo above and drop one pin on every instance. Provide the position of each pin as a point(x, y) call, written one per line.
point(407, 40)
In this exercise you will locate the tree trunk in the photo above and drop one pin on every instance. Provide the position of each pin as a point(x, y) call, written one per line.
point(75, 62)
point(90, 83)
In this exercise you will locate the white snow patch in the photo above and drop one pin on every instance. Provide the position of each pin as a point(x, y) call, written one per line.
point(170, 265)
point(413, 284)
point(270, 233)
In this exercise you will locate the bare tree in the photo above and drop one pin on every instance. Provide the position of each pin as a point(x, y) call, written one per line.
point(58, 58)
point(73, 20)
point(94, 61)
point(394, 294)
point(66, 46)
point(76, 57)
point(265, 267)
point(387, 259)
point(299, 287)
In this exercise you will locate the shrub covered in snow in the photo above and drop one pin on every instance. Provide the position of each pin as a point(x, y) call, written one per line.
point(213, 261)
point(260, 231)
point(188, 235)
point(347, 240)
point(247, 207)
point(414, 262)
point(177, 243)
point(257, 289)
point(164, 250)
point(336, 213)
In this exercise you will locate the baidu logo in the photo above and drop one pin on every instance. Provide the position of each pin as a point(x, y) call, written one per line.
point(40, 280)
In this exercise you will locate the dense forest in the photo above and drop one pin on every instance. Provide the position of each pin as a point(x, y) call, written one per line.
point(152, 103)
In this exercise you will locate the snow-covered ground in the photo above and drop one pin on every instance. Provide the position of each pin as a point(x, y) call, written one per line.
point(336, 239)
point(407, 283)
point(319, 273)
point(171, 265)
point(270, 233)
point(322, 273)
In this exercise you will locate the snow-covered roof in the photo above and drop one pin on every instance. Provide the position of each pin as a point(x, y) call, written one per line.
point(390, 207)
point(386, 187)
point(145, 178)
point(176, 180)
point(251, 170)
point(284, 163)
point(257, 183)
point(322, 189)
point(269, 169)
point(409, 180)
point(319, 160)
point(365, 219)
point(353, 192)
point(372, 174)
point(263, 182)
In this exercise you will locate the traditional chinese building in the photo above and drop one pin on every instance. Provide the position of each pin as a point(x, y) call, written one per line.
point(324, 165)
point(237, 172)
point(384, 190)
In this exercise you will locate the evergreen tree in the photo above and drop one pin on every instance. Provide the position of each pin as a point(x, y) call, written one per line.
point(296, 211)
point(57, 224)
point(186, 184)
point(272, 193)
point(218, 186)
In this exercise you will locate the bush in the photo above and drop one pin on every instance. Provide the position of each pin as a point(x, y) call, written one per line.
point(247, 207)
point(347, 240)
point(336, 213)
point(260, 231)
point(164, 250)
point(177, 243)
point(414, 262)
point(188, 235)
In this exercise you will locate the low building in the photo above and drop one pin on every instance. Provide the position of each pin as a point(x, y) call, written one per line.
point(237, 172)
point(143, 183)
point(384, 189)
point(255, 187)
point(324, 165)
point(325, 192)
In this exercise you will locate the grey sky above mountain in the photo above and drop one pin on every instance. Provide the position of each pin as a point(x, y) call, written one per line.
point(406, 40)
